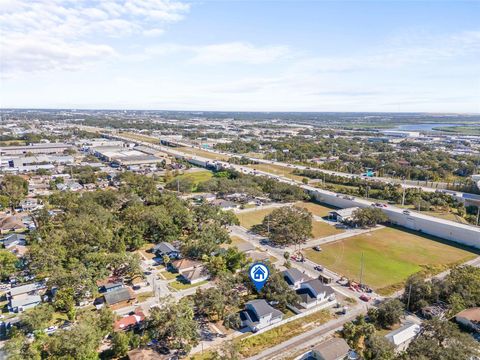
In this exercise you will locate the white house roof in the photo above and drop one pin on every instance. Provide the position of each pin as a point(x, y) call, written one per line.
point(24, 299)
point(345, 213)
point(403, 334)
point(26, 288)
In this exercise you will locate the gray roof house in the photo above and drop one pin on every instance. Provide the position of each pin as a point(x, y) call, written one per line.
point(119, 296)
point(295, 277)
point(23, 302)
point(196, 275)
point(109, 287)
point(28, 288)
point(331, 349)
point(258, 314)
point(12, 240)
point(24, 297)
point(314, 292)
point(165, 248)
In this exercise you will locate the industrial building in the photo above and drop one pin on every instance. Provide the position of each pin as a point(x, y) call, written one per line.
point(47, 148)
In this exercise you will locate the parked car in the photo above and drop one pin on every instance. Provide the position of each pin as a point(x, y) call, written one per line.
point(318, 268)
point(317, 248)
point(406, 212)
point(365, 297)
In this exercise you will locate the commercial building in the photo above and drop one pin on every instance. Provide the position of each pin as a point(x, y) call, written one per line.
point(47, 148)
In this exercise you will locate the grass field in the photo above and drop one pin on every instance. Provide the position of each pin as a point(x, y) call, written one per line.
point(390, 256)
point(197, 176)
point(321, 229)
point(314, 208)
point(203, 153)
point(253, 217)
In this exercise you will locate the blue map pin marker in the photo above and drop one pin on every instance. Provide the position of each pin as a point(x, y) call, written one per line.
point(259, 274)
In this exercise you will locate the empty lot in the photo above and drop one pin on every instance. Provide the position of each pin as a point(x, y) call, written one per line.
point(390, 256)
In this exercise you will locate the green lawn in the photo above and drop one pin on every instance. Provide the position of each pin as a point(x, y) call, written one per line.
point(314, 208)
point(321, 229)
point(177, 285)
point(390, 256)
point(253, 217)
point(169, 275)
point(197, 176)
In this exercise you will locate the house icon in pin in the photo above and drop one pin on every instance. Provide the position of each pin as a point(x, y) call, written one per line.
point(259, 273)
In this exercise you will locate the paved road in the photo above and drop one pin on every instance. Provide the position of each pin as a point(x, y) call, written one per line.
point(307, 339)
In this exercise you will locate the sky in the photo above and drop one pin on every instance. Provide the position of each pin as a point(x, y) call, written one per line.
point(393, 56)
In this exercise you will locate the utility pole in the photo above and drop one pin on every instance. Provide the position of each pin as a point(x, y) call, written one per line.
point(409, 293)
point(361, 270)
point(403, 196)
point(478, 214)
point(178, 186)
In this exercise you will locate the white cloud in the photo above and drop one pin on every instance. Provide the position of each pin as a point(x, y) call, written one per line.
point(232, 52)
point(45, 35)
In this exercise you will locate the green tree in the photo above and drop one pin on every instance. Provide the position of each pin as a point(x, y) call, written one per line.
point(174, 325)
point(277, 289)
point(442, 340)
point(38, 318)
point(378, 348)
point(287, 225)
point(387, 313)
point(120, 344)
point(369, 217)
point(356, 332)
point(8, 262)
point(15, 188)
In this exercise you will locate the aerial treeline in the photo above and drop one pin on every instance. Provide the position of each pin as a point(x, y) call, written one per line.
point(92, 234)
point(421, 162)
point(230, 182)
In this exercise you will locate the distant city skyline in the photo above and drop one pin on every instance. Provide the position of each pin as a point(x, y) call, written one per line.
point(274, 56)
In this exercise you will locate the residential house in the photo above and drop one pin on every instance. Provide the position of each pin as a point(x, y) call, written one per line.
point(314, 292)
point(342, 215)
point(145, 354)
point(109, 287)
point(12, 240)
point(21, 298)
point(469, 318)
point(225, 204)
point(129, 322)
point(403, 336)
point(184, 265)
point(24, 302)
point(165, 248)
point(196, 275)
point(331, 349)
point(119, 298)
point(258, 314)
point(11, 223)
point(29, 204)
point(295, 277)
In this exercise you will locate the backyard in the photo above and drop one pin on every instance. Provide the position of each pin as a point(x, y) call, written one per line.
point(390, 256)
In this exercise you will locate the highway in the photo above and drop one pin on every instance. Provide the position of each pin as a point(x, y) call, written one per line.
point(445, 229)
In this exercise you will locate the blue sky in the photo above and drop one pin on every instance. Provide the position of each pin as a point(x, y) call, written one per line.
point(241, 55)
